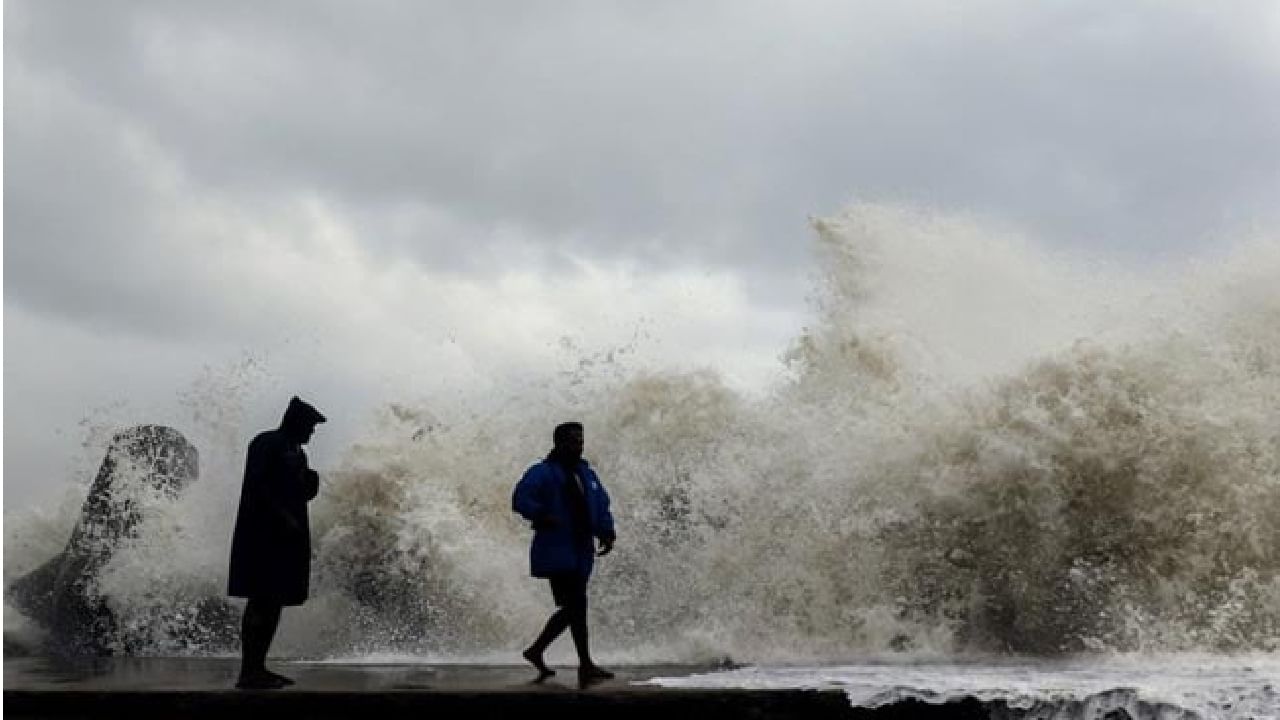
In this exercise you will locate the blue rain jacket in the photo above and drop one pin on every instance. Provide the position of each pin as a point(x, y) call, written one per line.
point(542, 493)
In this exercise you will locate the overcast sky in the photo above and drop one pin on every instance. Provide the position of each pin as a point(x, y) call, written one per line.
point(217, 204)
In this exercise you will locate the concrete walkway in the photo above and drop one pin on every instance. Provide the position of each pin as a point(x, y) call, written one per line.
point(203, 688)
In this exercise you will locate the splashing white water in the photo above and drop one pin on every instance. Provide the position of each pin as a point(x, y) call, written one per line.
point(1164, 688)
point(975, 447)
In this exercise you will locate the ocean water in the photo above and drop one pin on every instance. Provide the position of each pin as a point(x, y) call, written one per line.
point(976, 448)
point(1147, 686)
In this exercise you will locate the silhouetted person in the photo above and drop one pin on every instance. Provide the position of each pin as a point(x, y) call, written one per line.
point(569, 509)
point(271, 548)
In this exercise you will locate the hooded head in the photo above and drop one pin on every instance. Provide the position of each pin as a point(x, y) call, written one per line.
point(300, 420)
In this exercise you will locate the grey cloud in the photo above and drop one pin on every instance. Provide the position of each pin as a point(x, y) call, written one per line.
point(89, 221)
point(144, 137)
point(674, 133)
point(661, 132)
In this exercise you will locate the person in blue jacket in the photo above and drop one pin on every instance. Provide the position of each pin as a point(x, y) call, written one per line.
point(569, 509)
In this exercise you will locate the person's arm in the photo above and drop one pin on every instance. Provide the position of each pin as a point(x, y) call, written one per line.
point(605, 531)
point(310, 480)
point(262, 474)
point(530, 499)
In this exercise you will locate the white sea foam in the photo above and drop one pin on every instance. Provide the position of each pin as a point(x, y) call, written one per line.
point(976, 446)
point(1165, 687)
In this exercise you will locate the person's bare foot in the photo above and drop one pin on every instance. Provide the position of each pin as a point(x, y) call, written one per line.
point(259, 681)
point(535, 659)
point(591, 674)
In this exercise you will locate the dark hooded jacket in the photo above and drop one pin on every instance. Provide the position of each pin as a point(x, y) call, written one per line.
point(271, 547)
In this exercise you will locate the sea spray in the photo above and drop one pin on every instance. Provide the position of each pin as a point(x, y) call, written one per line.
point(976, 447)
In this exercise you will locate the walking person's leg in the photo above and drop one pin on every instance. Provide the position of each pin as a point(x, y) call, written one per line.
point(576, 605)
point(561, 590)
point(556, 624)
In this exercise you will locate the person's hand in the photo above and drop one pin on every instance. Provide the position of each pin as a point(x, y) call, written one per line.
point(606, 547)
point(310, 484)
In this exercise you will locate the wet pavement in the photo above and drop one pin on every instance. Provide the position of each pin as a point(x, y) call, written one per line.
point(217, 674)
point(37, 687)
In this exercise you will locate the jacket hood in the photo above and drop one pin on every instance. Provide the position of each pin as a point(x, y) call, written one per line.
point(300, 415)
